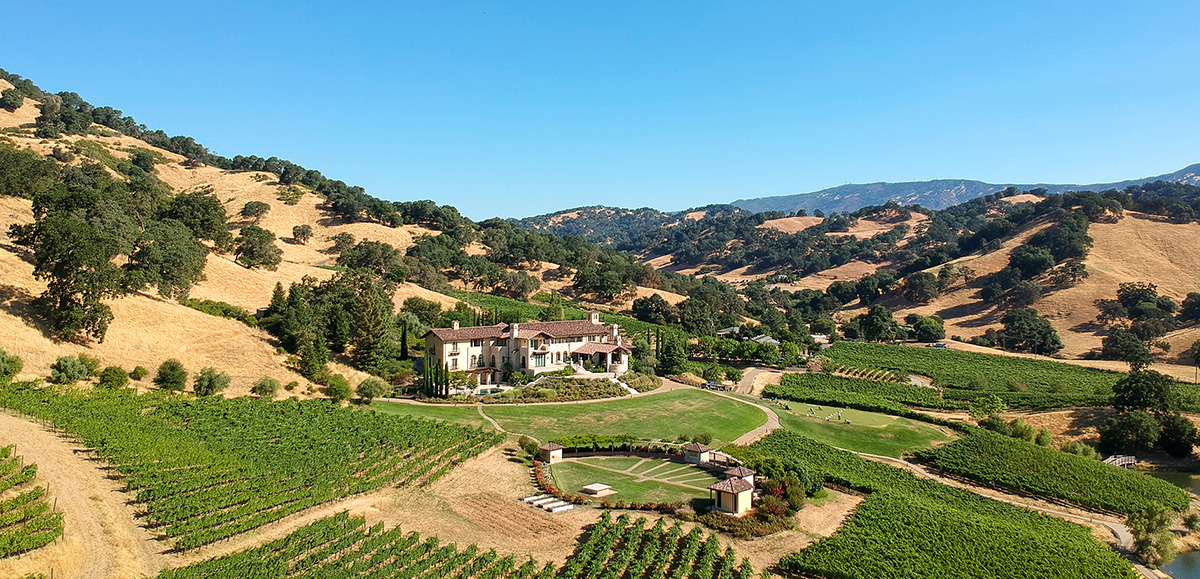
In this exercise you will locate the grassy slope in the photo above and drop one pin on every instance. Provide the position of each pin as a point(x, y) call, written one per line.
point(867, 432)
point(661, 416)
point(464, 415)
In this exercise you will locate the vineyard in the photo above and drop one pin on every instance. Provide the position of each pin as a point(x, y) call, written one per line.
point(866, 374)
point(838, 390)
point(207, 469)
point(1008, 462)
point(910, 527)
point(344, 547)
point(1023, 382)
point(26, 519)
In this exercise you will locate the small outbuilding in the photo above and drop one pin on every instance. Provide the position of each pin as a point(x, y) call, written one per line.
point(742, 473)
point(550, 453)
point(696, 453)
point(732, 496)
point(598, 490)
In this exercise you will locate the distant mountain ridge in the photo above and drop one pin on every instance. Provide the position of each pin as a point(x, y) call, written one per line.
point(933, 194)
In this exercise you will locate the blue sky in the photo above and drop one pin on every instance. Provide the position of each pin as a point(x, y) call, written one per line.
point(521, 108)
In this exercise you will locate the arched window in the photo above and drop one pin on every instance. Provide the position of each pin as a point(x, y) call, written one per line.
point(493, 360)
point(522, 361)
point(473, 361)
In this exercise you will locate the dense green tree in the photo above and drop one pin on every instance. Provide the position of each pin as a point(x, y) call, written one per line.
point(338, 389)
point(341, 242)
point(1137, 431)
point(265, 387)
point(843, 291)
point(113, 378)
point(255, 210)
point(655, 310)
point(373, 255)
point(824, 326)
point(1190, 310)
point(167, 256)
point(1121, 344)
point(371, 388)
point(554, 311)
point(878, 325)
point(1031, 261)
point(672, 358)
point(24, 173)
point(428, 311)
point(1025, 330)
point(921, 287)
point(10, 366)
point(1024, 293)
point(203, 213)
point(171, 376)
point(696, 317)
point(209, 382)
point(11, 100)
point(1146, 390)
point(1179, 436)
point(302, 233)
point(928, 328)
point(256, 248)
point(1153, 541)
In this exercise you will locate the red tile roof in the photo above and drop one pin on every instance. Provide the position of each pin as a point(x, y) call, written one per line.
point(696, 447)
point(598, 348)
point(527, 330)
point(731, 485)
point(740, 471)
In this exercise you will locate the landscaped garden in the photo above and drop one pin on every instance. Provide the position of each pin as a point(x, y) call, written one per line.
point(868, 432)
point(635, 479)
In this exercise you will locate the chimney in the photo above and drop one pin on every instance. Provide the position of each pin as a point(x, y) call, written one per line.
point(616, 333)
point(516, 328)
point(453, 324)
point(594, 317)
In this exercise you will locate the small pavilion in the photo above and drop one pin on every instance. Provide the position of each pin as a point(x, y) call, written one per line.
point(550, 453)
point(696, 453)
point(732, 496)
point(742, 473)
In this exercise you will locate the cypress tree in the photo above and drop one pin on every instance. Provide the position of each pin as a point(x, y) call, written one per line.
point(404, 342)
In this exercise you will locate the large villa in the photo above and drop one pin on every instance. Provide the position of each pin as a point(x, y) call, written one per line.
point(488, 353)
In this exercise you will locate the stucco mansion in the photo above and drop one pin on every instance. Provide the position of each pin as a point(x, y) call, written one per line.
point(486, 353)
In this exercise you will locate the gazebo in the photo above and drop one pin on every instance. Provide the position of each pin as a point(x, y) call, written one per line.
point(742, 473)
point(696, 453)
point(733, 496)
point(550, 453)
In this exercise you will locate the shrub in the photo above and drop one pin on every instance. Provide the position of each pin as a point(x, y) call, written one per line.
point(338, 388)
point(255, 210)
point(114, 378)
point(291, 386)
point(371, 388)
point(266, 387)
point(302, 233)
point(171, 376)
point(92, 364)
point(140, 372)
point(68, 370)
point(529, 445)
point(10, 366)
point(342, 242)
point(209, 382)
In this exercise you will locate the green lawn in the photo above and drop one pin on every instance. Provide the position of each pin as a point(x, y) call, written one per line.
point(617, 462)
point(867, 432)
point(464, 415)
point(660, 416)
point(573, 476)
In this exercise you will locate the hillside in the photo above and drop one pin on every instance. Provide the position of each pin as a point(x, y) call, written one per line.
point(614, 225)
point(934, 194)
point(148, 329)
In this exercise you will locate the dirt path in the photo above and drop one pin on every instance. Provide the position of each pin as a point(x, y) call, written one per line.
point(751, 437)
point(101, 538)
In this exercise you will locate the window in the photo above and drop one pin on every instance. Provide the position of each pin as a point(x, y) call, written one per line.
point(616, 358)
point(493, 360)
point(476, 343)
point(472, 361)
point(522, 361)
point(453, 363)
point(539, 360)
point(454, 347)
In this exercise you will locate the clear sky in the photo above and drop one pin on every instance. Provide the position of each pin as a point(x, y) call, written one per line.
point(527, 107)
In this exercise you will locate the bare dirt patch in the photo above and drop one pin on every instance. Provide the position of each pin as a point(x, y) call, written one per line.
point(101, 539)
point(814, 522)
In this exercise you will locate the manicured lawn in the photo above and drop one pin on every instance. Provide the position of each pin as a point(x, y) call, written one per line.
point(867, 432)
point(617, 462)
point(573, 476)
point(464, 415)
point(660, 416)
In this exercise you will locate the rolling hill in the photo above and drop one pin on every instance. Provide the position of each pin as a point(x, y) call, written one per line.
point(935, 194)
